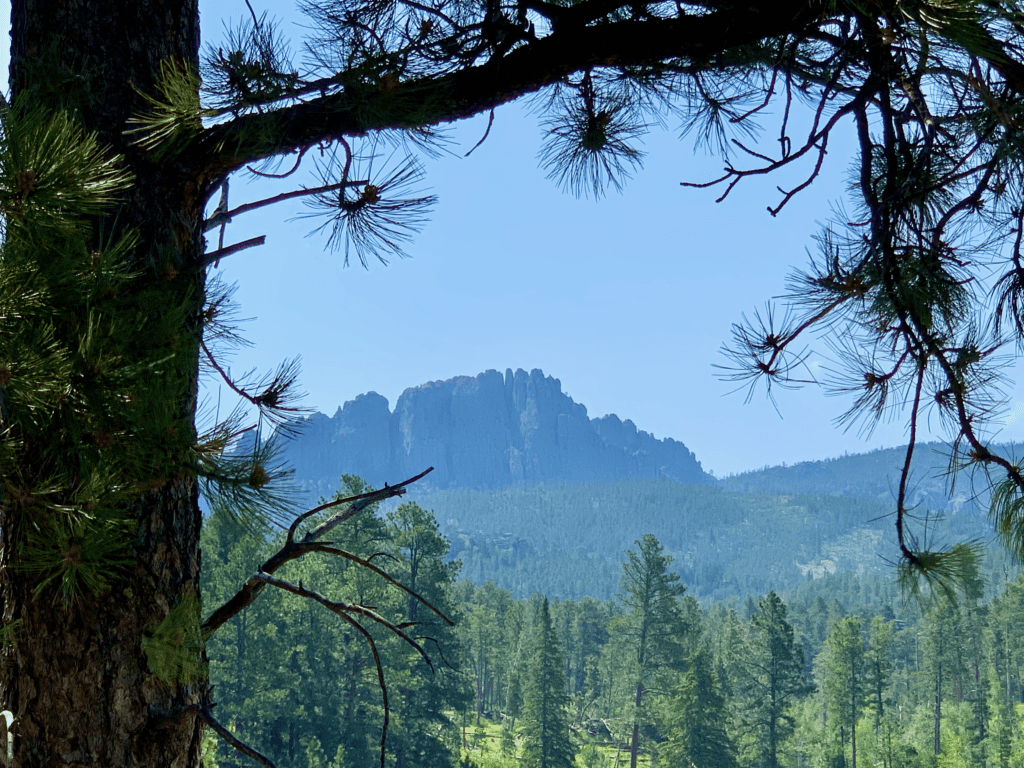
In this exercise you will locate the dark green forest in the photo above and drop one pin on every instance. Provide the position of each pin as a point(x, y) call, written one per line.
point(836, 669)
point(569, 541)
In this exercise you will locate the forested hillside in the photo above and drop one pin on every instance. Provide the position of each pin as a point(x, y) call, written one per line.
point(767, 529)
point(513, 502)
point(875, 474)
point(568, 541)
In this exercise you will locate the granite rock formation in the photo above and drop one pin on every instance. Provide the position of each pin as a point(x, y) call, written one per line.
point(485, 432)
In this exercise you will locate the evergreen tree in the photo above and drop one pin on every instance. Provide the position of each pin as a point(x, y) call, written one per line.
point(1000, 726)
point(315, 757)
point(1006, 646)
point(589, 635)
point(771, 678)
point(107, 309)
point(339, 758)
point(547, 740)
point(654, 630)
point(843, 680)
point(424, 696)
point(942, 635)
point(1005, 655)
point(697, 732)
point(482, 625)
point(878, 664)
point(413, 533)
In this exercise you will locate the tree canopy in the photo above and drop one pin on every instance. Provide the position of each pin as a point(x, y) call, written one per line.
point(547, 740)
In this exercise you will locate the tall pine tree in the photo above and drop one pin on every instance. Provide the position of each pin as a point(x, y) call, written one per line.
point(771, 678)
point(547, 739)
point(654, 630)
point(697, 730)
point(878, 665)
point(843, 681)
point(424, 698)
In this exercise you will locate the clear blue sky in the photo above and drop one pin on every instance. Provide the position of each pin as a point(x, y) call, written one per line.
point(627, 300)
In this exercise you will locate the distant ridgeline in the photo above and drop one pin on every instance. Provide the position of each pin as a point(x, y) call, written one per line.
point(484, 432)
point(876, 475)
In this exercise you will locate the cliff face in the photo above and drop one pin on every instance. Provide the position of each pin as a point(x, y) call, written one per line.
point(488, 431)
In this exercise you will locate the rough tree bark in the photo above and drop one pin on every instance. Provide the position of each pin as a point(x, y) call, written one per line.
point(634, 740)
point(80, 688)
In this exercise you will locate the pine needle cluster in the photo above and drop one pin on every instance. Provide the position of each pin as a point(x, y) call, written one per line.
point(85, 351)
point(91, 363)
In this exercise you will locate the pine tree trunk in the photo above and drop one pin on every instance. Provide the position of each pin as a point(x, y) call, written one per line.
point(938, 710)
point(634, 742)
point(853, 727)
point(773, 720)
point(78, 681)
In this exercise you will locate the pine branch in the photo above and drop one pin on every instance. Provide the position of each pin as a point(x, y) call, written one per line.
point(325, 547)
point(225, 217)
point(292, 550)
point(341, 608)
point(215, 256)
point(476, 89)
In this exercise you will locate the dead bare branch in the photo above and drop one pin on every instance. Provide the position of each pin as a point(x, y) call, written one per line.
point(291, 550)
point(220, 253)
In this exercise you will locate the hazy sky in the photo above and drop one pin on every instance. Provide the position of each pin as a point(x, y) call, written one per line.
point(627, 300)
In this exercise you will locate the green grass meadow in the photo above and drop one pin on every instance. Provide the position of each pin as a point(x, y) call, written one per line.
point(482, 747)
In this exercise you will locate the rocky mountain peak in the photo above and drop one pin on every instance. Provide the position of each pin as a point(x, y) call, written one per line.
point(485, 431)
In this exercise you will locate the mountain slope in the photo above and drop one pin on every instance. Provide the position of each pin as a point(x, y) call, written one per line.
point(569, 540)
point(876, 475)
